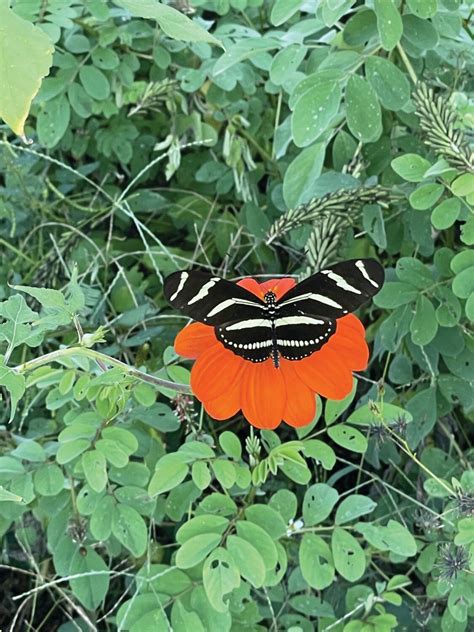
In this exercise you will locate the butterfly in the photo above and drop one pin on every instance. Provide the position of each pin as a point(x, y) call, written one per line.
point(293, 327)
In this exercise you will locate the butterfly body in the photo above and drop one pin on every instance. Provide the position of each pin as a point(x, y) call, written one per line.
point(293, 326)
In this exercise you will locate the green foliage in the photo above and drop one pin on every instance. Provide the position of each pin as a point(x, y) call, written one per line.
point(250, 137)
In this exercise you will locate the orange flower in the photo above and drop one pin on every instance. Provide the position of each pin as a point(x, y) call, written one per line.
point(226, 383)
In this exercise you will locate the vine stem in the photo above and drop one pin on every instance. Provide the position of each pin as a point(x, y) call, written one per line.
point(59, 354)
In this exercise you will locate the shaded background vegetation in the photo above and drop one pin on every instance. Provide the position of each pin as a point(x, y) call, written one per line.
point(306, 142)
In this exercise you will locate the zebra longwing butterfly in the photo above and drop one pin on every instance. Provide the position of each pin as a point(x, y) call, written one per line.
point(293, 327)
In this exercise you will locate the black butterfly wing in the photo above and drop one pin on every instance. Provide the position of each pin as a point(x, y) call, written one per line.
point(300, 335)
point(210, 299)
point(334, 291)
point(251, 338)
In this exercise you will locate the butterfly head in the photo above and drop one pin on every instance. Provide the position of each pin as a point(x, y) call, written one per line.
point(270, 298)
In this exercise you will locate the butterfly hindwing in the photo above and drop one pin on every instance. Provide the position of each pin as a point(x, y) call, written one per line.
point(299, 336)
point(335, 291)
point(210, 299)
point(250, 338)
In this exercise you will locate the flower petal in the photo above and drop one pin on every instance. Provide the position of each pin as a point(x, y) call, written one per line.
point(215, 371)
point(349, 342)
point(194, 339)
point(279, 286)
point(251, 286)
point(226, 405)
point(263, 395)
point(326, 373)
point(300, 406)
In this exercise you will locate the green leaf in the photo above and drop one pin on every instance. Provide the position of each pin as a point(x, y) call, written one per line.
point(220, 576)
point(15, 385)
point(174, 23)
point(446, 213)
point(207, 523)
point(413, 271)
point(422, 407)
point(318, 503)
point(248, 560)
point(201, 474)
point(130, 529)
point(463, 185)
point(394, 294)
point(242, 50)
point(224, 471)
point(26, 55)
point(410, 167)
point(423, 8)
point(394, 537)
point(72, 449)
point(92, 586)
point(257, 537)
point(95, 82)
point(125, 439)
point(313, 113)
point(102, 518)
point(426, 196)
point(320, 452)
point(389, 82)
point(354, 506)
point(374, 224)
point(113, 452)
point(267, 518)
point(282, 10)
point(196, 549)
point(301, 174)
point(348, 438)
point(349, 558)
point(335, 408)
point(389, 23)
point(286, 62)
point(95, 469)
point(316, 562)
point(7, 496)
point(231, 445)
point(170, 472)
point(48, 479)
point(53, 120)
point(420, 33)
point(424, 325)
point(364, 117)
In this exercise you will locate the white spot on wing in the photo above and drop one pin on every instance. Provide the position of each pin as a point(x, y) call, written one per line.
point(248, 324)
point(325, 300)
point(182, 281)
point(204, 291)
point(340, 281)
point(298, 320)
point(365, 274)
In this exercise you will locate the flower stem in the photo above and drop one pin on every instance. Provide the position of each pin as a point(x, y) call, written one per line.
point(59, 354)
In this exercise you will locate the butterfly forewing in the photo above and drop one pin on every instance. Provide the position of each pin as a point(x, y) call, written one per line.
point(210, 299)
point(334, 291)
point(294, 327)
